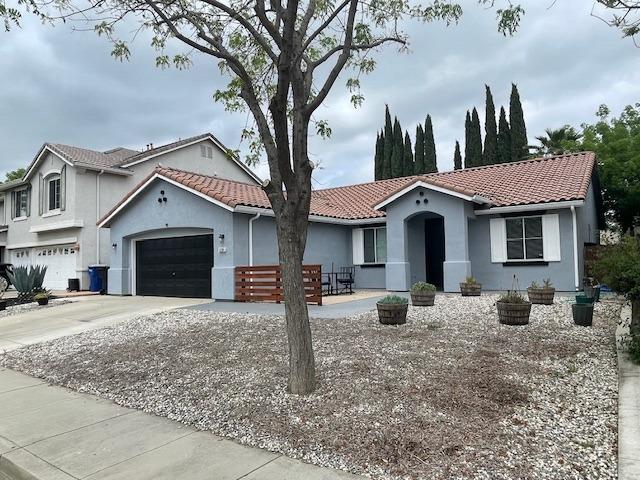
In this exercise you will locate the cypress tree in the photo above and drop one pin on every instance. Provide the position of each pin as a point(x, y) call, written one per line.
point(518, 129)
point(379, 156)
point(397, 156)
point(467, 141)
point(388, 145)
point(429, 147)
point(503, 150)
point(457, 158)
point(475, 137)
point(408, 156)
point(419, 164)
point(490, 130)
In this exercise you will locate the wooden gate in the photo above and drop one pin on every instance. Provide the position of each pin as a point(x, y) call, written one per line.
point(263, 283)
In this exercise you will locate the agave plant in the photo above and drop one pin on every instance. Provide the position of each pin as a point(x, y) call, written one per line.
point(27, 281)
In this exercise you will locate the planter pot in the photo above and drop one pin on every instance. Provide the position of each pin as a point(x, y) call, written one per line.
point(423, 299)
point(470, 289)
point(392, 314)
point(42, 301)
point(513, 313)
point(541, 296)
point(582, 314)
point(596, 294)
point(583, 299)
point(3, 304)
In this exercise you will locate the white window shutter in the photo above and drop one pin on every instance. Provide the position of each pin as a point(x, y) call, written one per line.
point(498, 231)
point(357, 236)
point(551, 237)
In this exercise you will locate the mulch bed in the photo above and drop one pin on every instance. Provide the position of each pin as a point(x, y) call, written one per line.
point(451, 394)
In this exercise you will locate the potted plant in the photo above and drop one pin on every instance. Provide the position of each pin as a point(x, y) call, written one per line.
point(42, 298)
point(542, 295)
point(392, 310)
point(582, 314)
point(513, 309)
point(423, 294)
point(470, 287)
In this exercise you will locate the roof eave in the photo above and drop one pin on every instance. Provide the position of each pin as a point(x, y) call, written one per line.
point(531, 207)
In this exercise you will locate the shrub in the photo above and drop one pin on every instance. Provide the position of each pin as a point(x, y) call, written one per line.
point(470, 280)
point(27, 281)
point(634, 348)
point(394, 300)
point(546, 283)
point(512, 297)
point(534, 285)
point(423, 287)
point(620, 268)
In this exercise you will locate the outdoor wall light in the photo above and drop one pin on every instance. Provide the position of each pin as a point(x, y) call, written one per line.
point(221, 237)
point(114, 245)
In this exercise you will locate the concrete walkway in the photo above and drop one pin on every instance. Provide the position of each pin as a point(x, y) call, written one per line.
point(52, 433)
point(83, 313)
point(628, 409)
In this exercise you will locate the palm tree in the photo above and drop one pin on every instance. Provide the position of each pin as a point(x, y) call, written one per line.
point(558, 141)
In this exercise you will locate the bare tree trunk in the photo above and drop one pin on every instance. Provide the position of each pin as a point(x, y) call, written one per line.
point(302, 379)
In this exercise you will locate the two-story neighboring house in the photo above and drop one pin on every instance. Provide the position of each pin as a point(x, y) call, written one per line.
point(49, 216)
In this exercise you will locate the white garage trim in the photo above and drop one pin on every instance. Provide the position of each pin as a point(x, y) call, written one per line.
point(43, 243)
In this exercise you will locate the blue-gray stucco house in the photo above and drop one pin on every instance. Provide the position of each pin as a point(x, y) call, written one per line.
point(530, 219)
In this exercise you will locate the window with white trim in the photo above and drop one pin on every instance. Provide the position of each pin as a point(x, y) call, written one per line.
point(525, 238)
point(53, 192)
point(20, 203)
point(375, 245)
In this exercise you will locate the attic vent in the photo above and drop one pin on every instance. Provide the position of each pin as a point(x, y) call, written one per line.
point(206, 152)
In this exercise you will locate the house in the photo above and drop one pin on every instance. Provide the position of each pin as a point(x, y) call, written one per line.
point(182, 233)
point(49, 216)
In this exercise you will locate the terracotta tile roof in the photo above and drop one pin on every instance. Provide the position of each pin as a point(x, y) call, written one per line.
point(540, 180)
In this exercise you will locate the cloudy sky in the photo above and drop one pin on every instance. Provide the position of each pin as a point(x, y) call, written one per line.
point(62, 86)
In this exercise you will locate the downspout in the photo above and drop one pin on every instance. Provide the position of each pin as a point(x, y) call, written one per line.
point(575, 248)
point(98, 216)
point(251, 220)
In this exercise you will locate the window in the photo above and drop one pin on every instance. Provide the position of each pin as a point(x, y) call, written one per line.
point(20, 204)
point(53, 188)
point(524, 238)
point(375, 245)
point(206, 152)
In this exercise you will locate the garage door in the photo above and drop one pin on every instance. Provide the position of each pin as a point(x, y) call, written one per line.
point(175, 267)
point(60, 262)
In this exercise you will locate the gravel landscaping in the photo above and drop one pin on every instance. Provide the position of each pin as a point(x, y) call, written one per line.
point(26, 307)
point(451, 394)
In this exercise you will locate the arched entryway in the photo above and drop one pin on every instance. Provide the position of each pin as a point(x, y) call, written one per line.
point(426, 248)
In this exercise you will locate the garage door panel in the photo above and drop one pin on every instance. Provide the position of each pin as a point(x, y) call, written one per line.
point(177, 266)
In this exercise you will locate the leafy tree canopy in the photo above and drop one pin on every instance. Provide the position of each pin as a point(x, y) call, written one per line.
point(15, 174)
point(616, 142)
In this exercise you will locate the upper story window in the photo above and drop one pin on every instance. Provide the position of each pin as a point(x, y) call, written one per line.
point(524, 238)
point(375, 245)
point(21, 203)
point(53, 193)
point(206, 151)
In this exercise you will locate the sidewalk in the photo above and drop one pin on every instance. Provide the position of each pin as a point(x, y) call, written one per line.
point(628, 411)
point(52, 433)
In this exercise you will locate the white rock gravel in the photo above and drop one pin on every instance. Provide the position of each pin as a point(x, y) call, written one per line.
point(451, 394)
point(26, 307)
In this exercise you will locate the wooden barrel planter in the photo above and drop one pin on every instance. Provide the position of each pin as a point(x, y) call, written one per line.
point(541, 296)
point(582, 314)
point(392, 314)
point(513, 313)
point(470, 289)
point(423, 299)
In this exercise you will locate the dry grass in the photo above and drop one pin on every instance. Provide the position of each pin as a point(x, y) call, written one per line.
point(452, 394)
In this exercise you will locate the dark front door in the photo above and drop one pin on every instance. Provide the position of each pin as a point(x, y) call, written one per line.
point(175, 267)
point(434, 244)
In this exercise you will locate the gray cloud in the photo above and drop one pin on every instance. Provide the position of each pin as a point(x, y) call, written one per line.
point(63, 86)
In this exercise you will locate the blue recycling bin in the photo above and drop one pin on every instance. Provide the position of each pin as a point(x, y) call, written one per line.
point(98, 278)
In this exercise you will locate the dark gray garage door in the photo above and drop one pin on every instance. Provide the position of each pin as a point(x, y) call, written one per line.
point(175, 267)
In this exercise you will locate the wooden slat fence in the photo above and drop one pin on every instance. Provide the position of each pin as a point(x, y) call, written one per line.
point(263, 283)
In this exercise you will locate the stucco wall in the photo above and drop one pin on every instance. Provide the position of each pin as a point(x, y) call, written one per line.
point(498, 276)
point(400, 260)
point(183, 213)
point(588, 233)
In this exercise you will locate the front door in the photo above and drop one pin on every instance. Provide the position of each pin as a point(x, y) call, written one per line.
point(434, 254)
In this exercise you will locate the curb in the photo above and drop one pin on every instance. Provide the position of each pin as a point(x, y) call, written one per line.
point(20, 464)
point(628, 406)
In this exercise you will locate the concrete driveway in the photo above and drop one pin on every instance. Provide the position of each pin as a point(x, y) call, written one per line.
point(83, 313)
